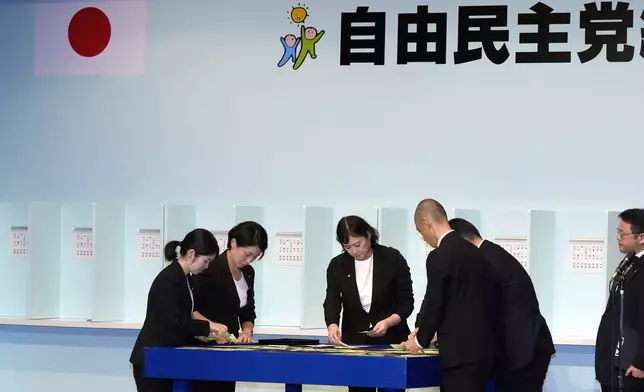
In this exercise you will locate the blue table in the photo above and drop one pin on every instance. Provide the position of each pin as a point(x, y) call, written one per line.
point(293, 369)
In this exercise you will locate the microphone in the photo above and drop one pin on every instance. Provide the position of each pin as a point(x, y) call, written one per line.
point(625, 260)
point(628, 269)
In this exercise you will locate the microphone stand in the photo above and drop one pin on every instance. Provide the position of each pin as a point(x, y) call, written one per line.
point(613, 291)
point(617, 286)
point(620, 278)
point(620, 380)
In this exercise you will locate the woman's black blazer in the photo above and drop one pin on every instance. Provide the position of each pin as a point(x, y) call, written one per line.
point(168, 318)
point(392, 293)
point(216, 295)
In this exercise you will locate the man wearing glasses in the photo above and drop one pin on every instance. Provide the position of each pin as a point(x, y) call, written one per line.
point(624, 365)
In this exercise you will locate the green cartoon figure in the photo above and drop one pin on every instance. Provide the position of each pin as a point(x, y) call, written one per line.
point(309, 37)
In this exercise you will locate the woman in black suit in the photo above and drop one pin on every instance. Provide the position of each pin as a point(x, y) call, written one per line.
point(225, 292)
point(168, 319)
point(372, 284)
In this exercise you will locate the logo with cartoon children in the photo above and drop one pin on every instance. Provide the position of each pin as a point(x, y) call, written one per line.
point(297, 48)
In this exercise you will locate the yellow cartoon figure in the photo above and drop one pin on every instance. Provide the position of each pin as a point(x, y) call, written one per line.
point(299, 14)
point(309, 37)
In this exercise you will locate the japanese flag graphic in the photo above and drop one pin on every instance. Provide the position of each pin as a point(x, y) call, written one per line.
point(90, 38)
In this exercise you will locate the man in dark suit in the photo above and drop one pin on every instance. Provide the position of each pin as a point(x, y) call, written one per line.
point(456, 304)
point(613, 363)
point(525, 342)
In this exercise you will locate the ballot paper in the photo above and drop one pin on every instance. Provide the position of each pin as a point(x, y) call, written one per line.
point(229, 348)
point(218, 348)
point(395, 350)
point(228, 336)
point(347, 346)
point(401, 348)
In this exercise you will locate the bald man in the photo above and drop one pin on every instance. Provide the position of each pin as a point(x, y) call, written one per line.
point(456, 304)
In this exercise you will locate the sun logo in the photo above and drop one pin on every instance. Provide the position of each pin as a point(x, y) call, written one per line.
point(299, 13)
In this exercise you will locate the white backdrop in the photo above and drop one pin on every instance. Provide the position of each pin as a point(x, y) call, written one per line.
point(213, 108)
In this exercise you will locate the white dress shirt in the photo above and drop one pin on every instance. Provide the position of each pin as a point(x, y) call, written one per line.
point(242, 291)
point(364, 281)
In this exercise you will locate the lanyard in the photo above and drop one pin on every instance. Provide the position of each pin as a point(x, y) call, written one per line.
point(192, 298)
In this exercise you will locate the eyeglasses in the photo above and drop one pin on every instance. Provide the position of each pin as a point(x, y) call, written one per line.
point(621, 235)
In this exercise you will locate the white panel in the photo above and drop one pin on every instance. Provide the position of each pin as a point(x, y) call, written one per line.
point(150, 244)
point(83, 243)
point(517, 247)
point(110, 257)
point(20, 241)
point(45, 228)
point(394, 227)
point(289, 248)
point(587, 255)
point(319, 227)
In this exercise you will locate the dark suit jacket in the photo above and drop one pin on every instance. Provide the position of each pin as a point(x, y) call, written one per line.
point(392, 293)
point(457, 304)
point(216, 295)
point(633, 318)
point(523, 330)
point(168, 319)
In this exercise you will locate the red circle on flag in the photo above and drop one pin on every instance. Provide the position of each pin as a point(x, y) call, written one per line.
point(89, 32)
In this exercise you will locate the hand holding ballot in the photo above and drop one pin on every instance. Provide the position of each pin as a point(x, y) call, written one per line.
point(223, 338)
point(217, 329)
point(411, 346)
point(380, 329)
